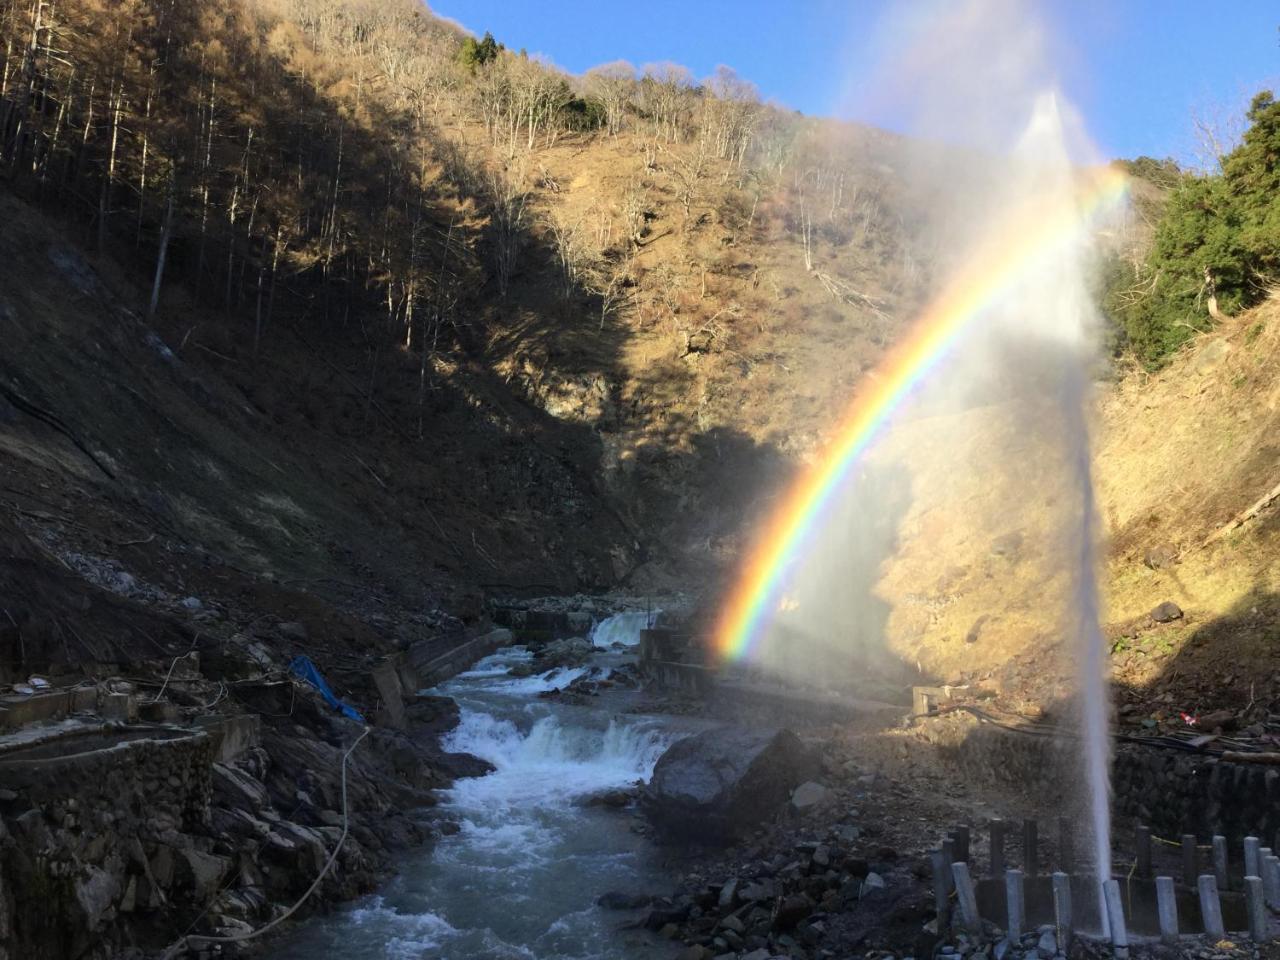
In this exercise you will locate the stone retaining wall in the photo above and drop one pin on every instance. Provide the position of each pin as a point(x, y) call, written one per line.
point(1171, 791)
point(1175, 793)
point(163, 781)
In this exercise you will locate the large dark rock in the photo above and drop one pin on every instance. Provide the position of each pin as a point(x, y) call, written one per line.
point(713, 786)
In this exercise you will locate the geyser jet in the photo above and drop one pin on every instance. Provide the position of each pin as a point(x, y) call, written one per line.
point(1012, 319)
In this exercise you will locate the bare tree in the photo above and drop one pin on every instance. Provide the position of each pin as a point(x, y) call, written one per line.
point(611, 281)
point(1217, 128)
point(507, 199)
point(666, 91)
point(573, 254)
point(613, 84)
point(730, 110)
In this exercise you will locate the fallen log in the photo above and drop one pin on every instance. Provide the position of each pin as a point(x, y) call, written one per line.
point(1238, 756)
point(1244, 517)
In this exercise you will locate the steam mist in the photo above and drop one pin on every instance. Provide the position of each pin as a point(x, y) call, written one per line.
point(995, 441)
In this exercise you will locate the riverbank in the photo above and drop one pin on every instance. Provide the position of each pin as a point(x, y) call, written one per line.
point(143, 817)
point(528, 848)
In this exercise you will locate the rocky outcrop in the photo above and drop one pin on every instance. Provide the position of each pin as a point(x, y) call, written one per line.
point(713, 786)
point(117, 837)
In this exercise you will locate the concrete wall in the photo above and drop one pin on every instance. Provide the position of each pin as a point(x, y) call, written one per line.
point(433, 670)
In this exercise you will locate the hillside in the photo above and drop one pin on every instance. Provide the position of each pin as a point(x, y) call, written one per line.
point(334, 338)
point(975, 583)
point(527, 332)
point(518, 344)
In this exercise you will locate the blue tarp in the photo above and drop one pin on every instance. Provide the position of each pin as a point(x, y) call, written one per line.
point(302, 667)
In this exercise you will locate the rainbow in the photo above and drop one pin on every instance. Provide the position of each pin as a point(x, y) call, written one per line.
point(992, 272)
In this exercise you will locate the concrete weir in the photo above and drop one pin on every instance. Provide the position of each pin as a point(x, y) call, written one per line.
point(670, 661)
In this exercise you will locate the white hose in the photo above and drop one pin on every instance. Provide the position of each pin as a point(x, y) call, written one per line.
point(199, 939)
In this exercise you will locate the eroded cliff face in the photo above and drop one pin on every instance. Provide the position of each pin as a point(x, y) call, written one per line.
point(129, 819)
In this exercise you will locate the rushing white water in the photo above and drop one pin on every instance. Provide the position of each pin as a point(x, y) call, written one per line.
point(520, 877)
point(622, 628)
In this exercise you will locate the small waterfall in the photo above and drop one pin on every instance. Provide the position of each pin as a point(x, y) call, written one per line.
point(623, 628)
point(584, 758)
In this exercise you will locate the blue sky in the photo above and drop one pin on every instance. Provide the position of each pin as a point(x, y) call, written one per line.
point(1135, 68)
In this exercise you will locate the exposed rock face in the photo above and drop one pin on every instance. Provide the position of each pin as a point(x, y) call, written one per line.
point(712, 786)
point(118, 835)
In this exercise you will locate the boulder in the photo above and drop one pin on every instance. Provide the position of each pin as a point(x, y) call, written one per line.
point(790, 910)
point(457, 766)
point(715, 785)
point(294, 631)
point(202, 873)
point(573, 652)
point(614, 900)
point(616, 797)
point(1047, 945)
point(810, 796)
point(96, 891)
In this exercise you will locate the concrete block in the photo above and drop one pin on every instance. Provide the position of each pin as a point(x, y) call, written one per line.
point(1167, 907)
point(120, 707)
point(386, 677)
point(232, 734)
point(966, 897)
point(19, 711)
point(1211, 906)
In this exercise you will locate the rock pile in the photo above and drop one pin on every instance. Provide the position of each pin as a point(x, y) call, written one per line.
point(783, 906)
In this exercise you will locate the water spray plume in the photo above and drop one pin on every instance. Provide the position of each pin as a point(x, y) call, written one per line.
point(1019, 246)
point(999, 164)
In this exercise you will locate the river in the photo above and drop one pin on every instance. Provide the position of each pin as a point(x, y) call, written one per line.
point(520, 877)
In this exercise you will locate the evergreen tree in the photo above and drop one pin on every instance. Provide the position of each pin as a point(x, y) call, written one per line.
point(1216, 247)
point(476, 53)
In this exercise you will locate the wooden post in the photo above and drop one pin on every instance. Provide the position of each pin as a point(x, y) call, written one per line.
point(961, 836)
point(948, 852)
point(1013, 896)
point(1167, 906)
point(1144, 851)
point(1115, 919)
point(1211, 906)
point(1066, 845)
point(966, 898)
point(941, 887)
point(997, 848)
point(1220, 862)
point(1190, 860)
point(1030, 845)
point(1062, 910)
point(1258, 920)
